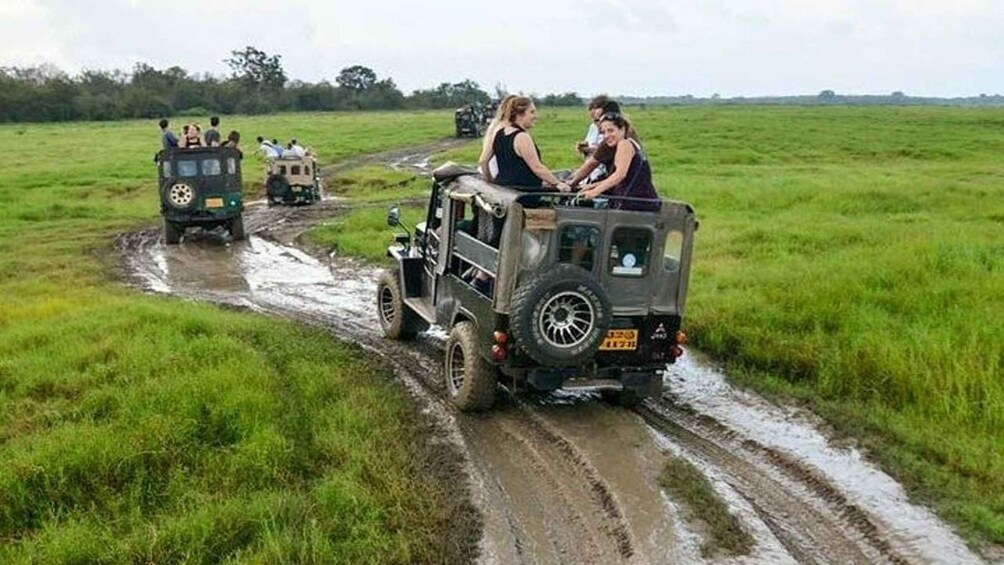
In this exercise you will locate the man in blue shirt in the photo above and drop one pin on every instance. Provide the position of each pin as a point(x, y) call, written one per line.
point(167, 137)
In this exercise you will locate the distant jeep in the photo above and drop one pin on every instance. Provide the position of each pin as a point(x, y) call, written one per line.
point(200, 187)
point(292, 180)
point(469, 121)
point(539, 290)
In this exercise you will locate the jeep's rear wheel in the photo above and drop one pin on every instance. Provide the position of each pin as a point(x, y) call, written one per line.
point(397, 320)
point(173, 232)
point(237, 228)
point(560, 316)
point(470, 379)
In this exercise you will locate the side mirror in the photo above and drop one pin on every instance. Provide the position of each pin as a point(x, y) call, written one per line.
point(394, 216)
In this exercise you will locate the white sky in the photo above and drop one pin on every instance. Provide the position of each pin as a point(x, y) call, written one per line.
point(624, 47)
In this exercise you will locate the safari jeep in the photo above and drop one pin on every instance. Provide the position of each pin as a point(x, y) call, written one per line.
point(200, 187)
point(469, 121)
point(292, 180)
point(540, 291)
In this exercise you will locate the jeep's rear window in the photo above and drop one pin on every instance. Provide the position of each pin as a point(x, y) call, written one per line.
point(629, 251)
point(188, 168)
point(167, 168)
point(674, 249)
point(231, 166)
point(294, 169)
point(211, 167)
point(577, 245)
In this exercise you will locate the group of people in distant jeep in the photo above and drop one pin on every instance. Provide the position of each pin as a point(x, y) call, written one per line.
point(615, 163)
point(192, 136)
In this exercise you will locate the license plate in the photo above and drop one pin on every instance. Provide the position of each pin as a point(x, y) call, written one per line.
point(214, 202)
point(620, 340)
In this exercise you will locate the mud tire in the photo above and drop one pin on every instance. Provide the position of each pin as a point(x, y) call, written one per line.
point(397, 320)
point(276, 186)
point(173, 232)
point(236, 228)
point(470, 379)
point(560, 296)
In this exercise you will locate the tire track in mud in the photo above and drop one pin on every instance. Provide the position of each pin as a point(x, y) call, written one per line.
point(554, 484)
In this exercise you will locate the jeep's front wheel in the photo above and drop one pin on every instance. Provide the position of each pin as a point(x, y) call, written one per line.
point(397, 320)
point(470, 379)
point(560, 316)
point(173, 232)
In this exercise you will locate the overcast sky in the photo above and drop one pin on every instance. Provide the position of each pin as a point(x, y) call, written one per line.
point(627, 47)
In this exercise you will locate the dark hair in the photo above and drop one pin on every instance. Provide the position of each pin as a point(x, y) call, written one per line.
point(214, 121)
point(185, 128)
point(275, 142)
point(611, 107)
point(235, 136)
point(293, 141)
point(163, 123)
point(600, 102)
point(617, 119)
point(260, 139)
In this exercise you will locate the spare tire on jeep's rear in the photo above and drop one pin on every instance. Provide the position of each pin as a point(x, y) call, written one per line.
point(277, 186)
point(560, 315)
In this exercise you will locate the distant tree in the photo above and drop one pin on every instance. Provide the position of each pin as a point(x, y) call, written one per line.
point(357, 78)
point(256, 68)
point(827, 95)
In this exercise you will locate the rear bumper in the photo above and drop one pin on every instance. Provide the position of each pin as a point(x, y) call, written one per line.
point(644, 381)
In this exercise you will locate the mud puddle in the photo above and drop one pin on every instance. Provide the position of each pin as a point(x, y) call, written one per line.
point(568, 479)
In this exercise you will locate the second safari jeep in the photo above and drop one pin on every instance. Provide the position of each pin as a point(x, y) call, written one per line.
point(541, 290)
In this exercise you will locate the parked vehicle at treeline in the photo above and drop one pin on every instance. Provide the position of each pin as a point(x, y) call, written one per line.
point(200, 187)
point(540, 289)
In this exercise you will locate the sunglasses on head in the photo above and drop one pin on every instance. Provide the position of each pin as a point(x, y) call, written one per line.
point(612, 116)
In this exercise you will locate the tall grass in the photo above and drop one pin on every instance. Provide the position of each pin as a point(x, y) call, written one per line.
point(852, 257)
point(150, 429)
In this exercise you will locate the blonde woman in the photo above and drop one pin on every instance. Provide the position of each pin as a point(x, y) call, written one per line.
point(486, 163)
point(515, 152)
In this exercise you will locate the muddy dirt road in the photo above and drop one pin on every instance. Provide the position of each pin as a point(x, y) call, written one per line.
point(568, 479)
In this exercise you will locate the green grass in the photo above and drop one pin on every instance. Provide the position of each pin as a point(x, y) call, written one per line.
point(136, 428)
point(724, 534)
point(852, 258)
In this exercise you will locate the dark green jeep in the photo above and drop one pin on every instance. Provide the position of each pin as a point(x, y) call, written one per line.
point(201, 187)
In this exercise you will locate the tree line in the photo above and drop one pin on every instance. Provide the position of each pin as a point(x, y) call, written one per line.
point(257, 84)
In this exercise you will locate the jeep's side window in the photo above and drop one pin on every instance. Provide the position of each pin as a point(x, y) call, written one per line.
point(188, 168)
point(211, 167)
point(629, 250)
point(231, 166)
point(167, 168)
point(295, 169)
point(577, 245)
point(282, 169)
point(306, 170)
point(674, 249)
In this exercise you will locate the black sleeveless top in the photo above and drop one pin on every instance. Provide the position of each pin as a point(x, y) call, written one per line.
point(513, 170)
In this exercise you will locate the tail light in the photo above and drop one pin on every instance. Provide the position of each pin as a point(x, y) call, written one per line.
point(499, 352)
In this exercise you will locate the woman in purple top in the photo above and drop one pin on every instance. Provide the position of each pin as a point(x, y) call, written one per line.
point(630, 173)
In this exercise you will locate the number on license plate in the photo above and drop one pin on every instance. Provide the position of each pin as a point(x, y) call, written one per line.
point(620, 340)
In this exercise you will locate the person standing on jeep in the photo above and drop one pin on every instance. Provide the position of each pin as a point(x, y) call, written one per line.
point(516, 153)
point(597, 107)
point(212, 136)
point(167, 137)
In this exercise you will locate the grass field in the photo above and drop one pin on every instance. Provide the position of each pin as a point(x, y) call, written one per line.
point(852, 258)
point(136, 428)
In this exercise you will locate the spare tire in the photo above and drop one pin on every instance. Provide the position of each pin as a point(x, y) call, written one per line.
point(276, 186)
point(560, 316)
point(180, 194)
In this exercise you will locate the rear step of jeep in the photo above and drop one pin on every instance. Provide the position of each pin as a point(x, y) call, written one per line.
point(421, 308)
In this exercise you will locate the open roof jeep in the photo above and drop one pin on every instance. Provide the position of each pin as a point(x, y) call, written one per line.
point(292, 180)
point(541, 290)
point(200, 186)
point(469, 121)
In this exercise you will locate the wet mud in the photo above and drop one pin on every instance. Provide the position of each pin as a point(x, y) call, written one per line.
point(567, 478)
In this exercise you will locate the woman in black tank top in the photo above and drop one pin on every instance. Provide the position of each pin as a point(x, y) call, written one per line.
point(515, 152)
